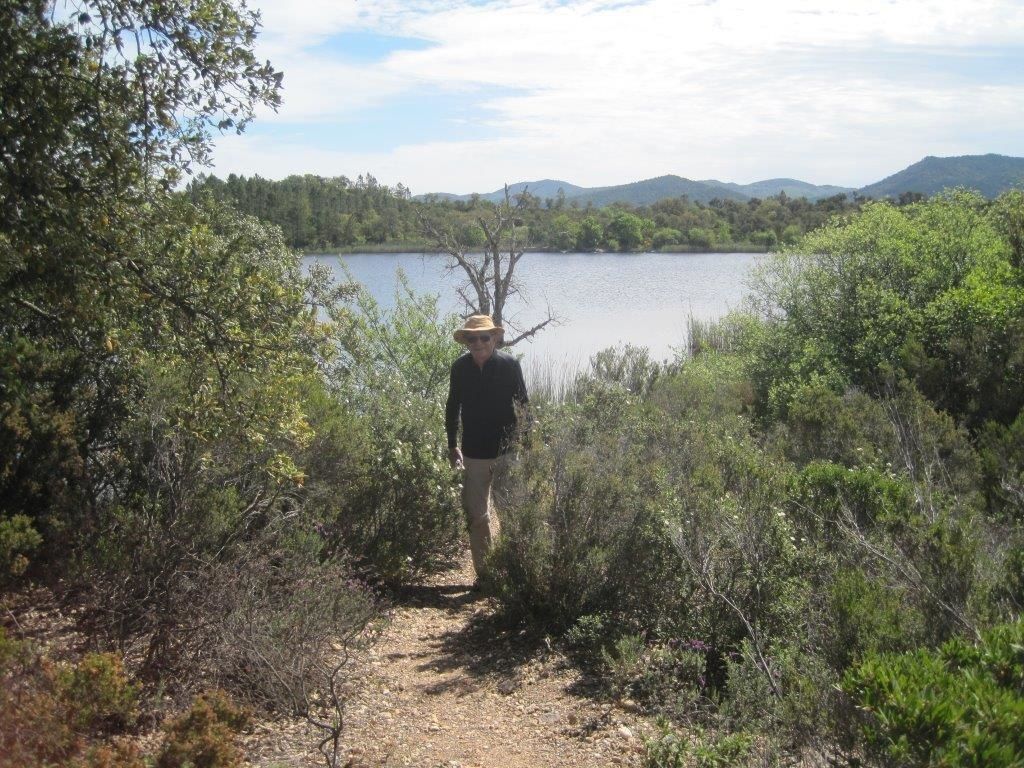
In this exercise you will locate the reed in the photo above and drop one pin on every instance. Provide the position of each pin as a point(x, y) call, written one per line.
point(552, 379)
point(702, 336)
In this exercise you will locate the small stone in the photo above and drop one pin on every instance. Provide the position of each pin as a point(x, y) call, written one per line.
point(625, 732)
point(629, 705)
point(507, 687)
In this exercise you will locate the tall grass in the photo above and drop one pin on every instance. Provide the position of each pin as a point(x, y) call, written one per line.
point(552, 379)
point(721, 335)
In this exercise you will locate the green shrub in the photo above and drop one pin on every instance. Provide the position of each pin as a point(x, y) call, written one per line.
point(708, 383)
point(587, 638)
point(97, 693)
point(669, 680)
point(909, 536)
point(1010, 589)
point(829, 500)
point(783, 691)
point(204, 737)
point(673, 681)
point(667, 750)
point(671, 750)
point(18, 540)
point(52, 713)
point(726, 750)
point(1002, 458)
point(850, 428)
point(961, 705)
point(867, 616)
point(626, 366)
point(661, 543)
point(395, 505)
point(584, 529)
point(928, 291)
point(624, 660)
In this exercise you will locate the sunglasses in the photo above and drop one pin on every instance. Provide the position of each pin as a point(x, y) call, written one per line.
point(470, 339)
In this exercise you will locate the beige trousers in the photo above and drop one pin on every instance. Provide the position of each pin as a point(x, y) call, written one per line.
point(478, 503)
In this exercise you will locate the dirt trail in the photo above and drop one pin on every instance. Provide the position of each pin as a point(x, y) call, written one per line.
point(448, 686)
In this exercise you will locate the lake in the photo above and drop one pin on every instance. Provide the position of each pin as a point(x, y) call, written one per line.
point(601, 299)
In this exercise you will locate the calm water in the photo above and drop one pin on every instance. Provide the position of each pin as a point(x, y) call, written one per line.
point(601, 299)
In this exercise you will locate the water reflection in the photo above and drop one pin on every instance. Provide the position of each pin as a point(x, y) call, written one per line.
point(601, 299)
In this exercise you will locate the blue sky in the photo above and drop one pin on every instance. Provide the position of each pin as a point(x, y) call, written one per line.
point(465, 96)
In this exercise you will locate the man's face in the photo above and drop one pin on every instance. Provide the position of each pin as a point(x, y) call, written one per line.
point(481, 345)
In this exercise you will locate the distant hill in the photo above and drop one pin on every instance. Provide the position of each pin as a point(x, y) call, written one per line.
point(989, 174)
point(792, 188)
point(543, 189)
point(652, 190)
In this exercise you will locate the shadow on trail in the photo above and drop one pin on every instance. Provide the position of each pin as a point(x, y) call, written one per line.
point(487, 645)
point(489, 650)
point(450, 598)
point(484, 649)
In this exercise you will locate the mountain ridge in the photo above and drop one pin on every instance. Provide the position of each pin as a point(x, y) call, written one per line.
point(990, 174)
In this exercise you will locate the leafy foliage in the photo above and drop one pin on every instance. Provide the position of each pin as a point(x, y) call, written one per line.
point(18, 539)
point(926, 291)
point(158, 350)
point(827, 490)
point(393, 503)
point(959, 705)
point(97, 263)
point(672, 750)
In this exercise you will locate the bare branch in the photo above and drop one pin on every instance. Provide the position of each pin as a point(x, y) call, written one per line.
point(490, 275)
point(531, 332)
point(41, 312)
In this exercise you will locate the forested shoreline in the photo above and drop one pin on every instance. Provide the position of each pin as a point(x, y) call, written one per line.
point(319, 214)
point(801, 540)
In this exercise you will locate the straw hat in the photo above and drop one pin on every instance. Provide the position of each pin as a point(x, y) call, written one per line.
point(478, 324)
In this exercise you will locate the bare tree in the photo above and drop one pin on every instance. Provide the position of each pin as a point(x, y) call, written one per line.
point(490, 276)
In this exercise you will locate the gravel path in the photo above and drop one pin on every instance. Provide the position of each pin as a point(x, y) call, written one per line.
point(448, 686)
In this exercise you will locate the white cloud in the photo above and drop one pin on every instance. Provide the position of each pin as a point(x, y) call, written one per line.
point(601, 92)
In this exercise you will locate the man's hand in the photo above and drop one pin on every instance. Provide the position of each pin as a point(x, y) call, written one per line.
point(455, 458)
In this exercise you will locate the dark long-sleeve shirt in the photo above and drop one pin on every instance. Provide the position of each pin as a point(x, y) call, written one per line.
point(485, 399)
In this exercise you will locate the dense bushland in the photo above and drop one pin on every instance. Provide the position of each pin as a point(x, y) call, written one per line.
point(804, 537)
point(201, 468)
point(59, 714)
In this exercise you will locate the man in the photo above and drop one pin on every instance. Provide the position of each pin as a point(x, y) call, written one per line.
point(485, 386)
